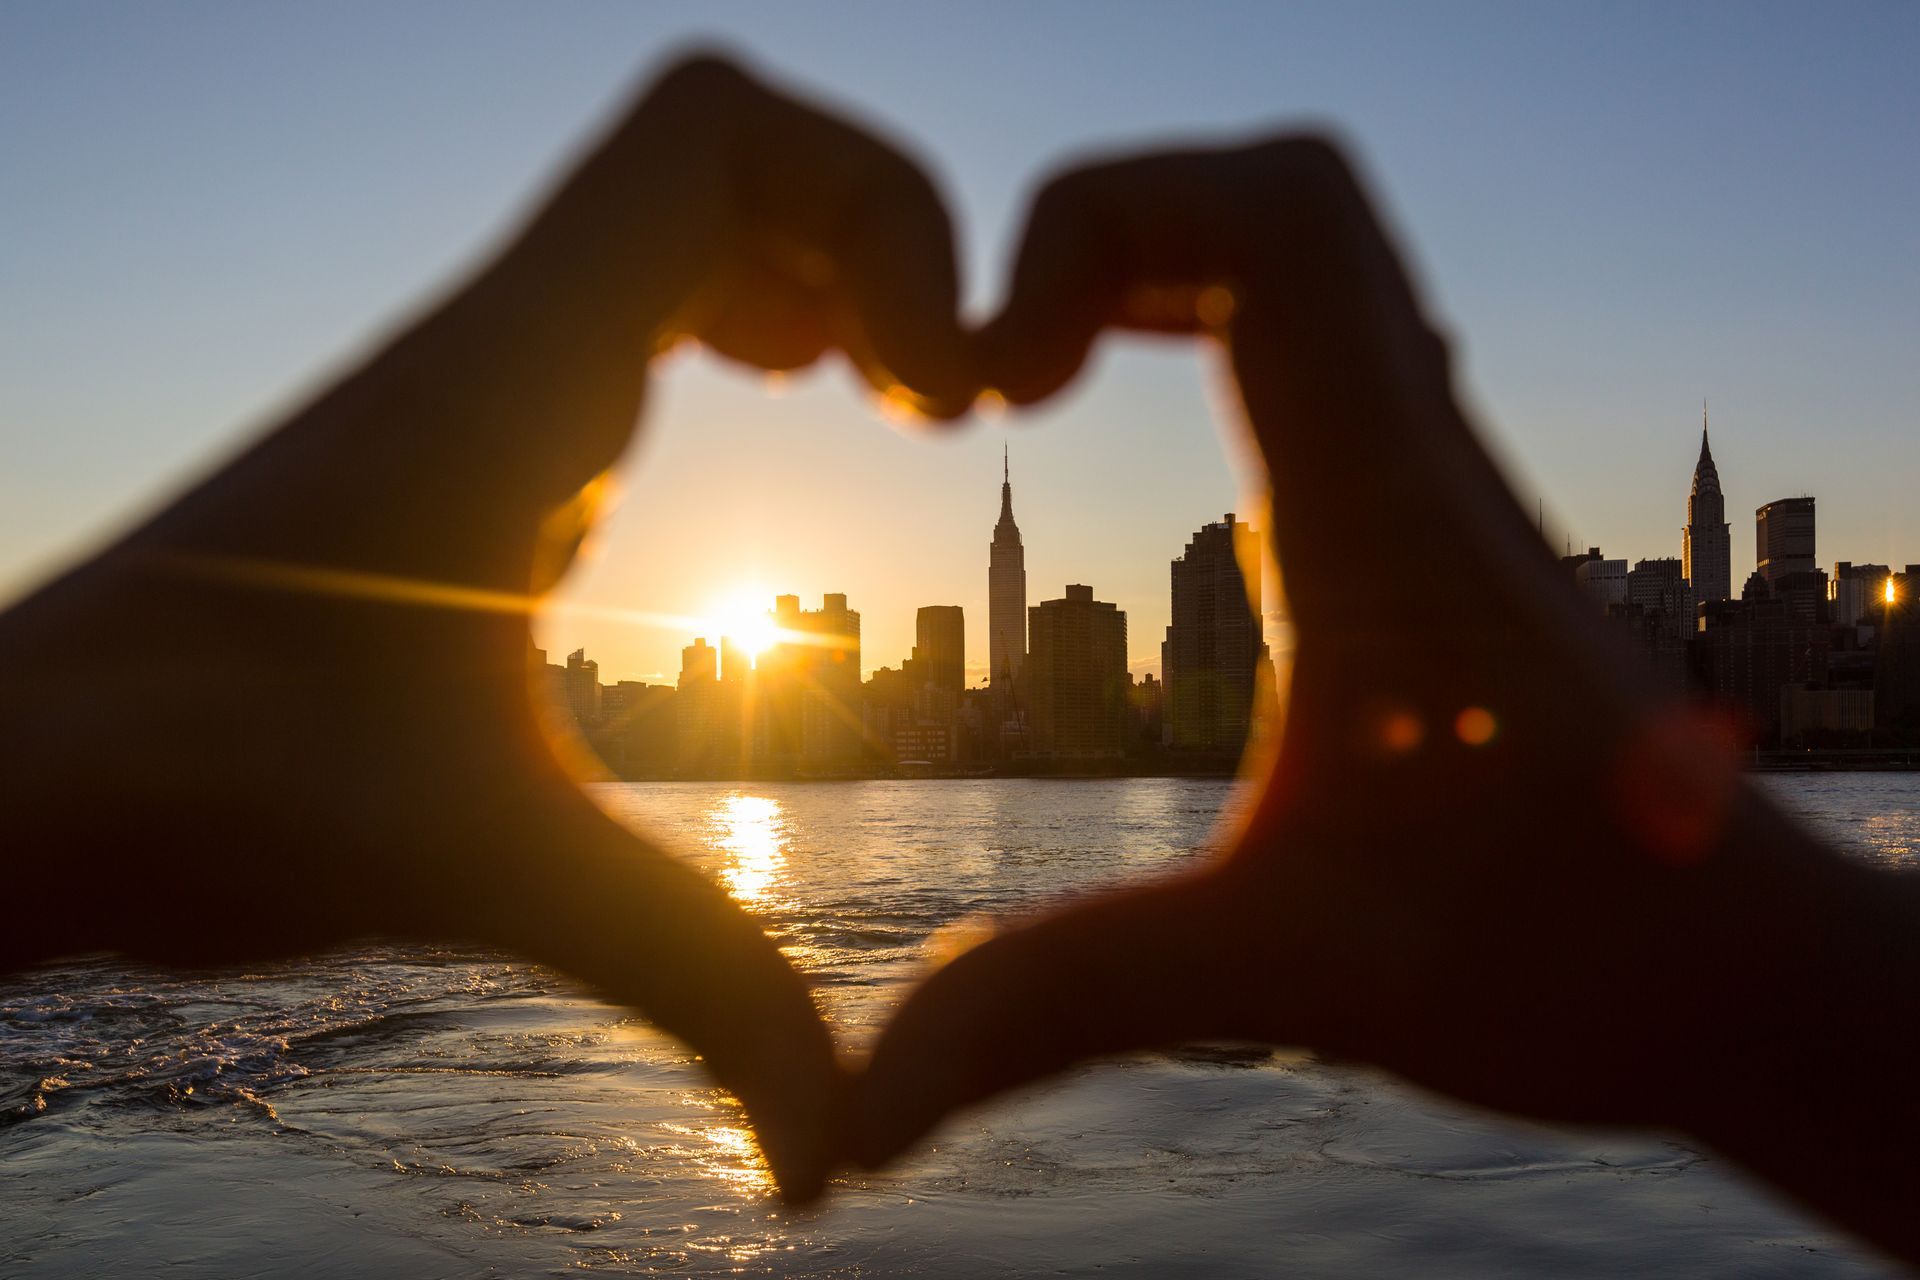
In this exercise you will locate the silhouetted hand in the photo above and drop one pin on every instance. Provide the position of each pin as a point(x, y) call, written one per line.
point(1482, 855)
point(294, 707)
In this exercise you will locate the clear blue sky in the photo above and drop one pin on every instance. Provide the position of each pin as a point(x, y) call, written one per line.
point(1618, 209)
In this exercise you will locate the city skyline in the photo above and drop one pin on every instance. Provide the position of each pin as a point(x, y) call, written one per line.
point(735, 610)
point(792, 698)
point(749, 619)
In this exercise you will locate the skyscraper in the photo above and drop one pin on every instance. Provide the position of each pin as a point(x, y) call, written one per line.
point(1078, 682)
point(1783, 539)
point(1783, 558)
point(1213, 648)
point(700, 716)
point(940, 646)
point(1006, 593)
point(1706, 549)
point(808, 684)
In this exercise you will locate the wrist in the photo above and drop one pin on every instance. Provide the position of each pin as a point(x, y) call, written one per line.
point(1811, 990)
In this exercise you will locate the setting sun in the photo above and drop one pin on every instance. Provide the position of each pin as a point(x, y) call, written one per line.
point(744, 619)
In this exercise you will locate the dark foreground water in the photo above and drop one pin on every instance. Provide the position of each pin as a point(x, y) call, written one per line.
point(414, 1112)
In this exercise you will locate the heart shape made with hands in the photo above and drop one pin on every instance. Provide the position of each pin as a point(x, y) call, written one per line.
point(1372, 906)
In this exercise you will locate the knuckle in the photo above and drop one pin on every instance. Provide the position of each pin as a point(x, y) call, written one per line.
point(703, 79)
point(897, 177)
point(1069, 198)
point(1315, 168)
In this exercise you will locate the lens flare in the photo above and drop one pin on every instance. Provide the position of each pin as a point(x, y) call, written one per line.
point(1476, 726)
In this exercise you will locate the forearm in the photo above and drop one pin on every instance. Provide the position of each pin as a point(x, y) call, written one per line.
point(1810, 1070)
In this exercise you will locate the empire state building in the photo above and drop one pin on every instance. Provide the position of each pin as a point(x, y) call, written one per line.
point(1706, 552)
point(1006, 593)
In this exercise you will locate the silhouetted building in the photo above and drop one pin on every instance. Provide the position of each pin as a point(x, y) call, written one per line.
point(909, 719)
point(1572, 562)
point(1706, 546)
point(1660, 586)
point(1006, 594)
point(699, 661)
point(702, 719)
point(1783, 539)
point(1077, 677)
point(583, 688)
point(1603, 581)
point(636, 735)
point(736, 664)
point(808, 686)
point(1148, 699)
point(1658, 640)
point(1213, 646)
point(550, 687)
point(1747, 652)
point(1857, 590)
point(1814, 717)
point(1657, 617)
point(1804, 593)
point(1896, 669)
point(940, 646)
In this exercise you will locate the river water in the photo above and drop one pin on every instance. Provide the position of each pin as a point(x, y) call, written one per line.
point(421, 1112)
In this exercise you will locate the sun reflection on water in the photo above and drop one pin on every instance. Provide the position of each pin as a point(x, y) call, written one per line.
point(727, 1153)
point(751, 830)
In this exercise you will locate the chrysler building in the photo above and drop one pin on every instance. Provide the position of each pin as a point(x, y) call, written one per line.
point(1705, 548)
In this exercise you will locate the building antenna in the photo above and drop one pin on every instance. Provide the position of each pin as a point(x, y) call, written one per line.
point(1006, 464)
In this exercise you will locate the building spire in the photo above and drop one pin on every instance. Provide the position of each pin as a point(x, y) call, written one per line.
point(1006, 497)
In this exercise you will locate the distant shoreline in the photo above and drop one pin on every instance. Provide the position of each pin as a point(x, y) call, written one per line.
point(1784, 765)
point(991, 775)
point(1835, 766)
point(1897, 759)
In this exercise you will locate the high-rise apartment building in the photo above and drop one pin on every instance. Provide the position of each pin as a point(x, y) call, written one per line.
point(1077, 681)
point(1706, 546)
point(1006, 593)
point(1213, 649)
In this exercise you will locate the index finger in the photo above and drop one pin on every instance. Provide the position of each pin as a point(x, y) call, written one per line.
point(854, 220)
point(1276, 249)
